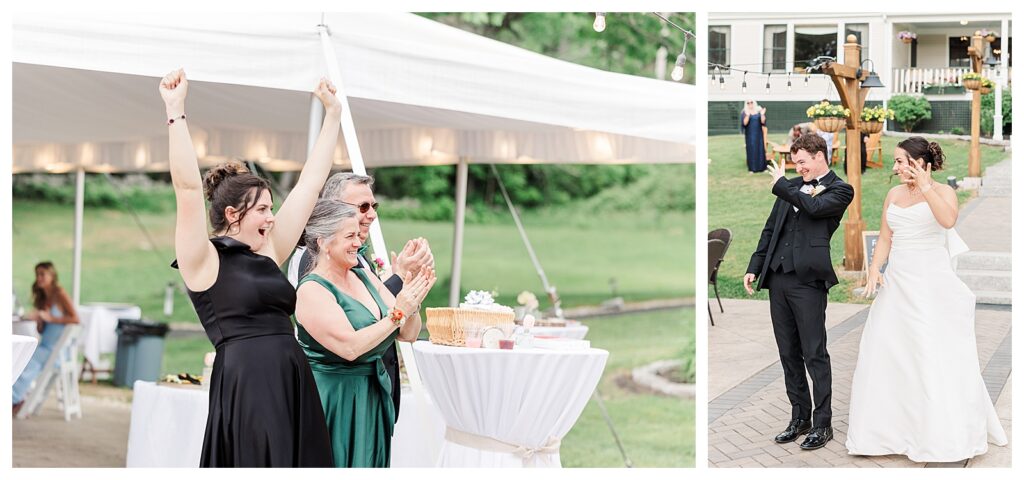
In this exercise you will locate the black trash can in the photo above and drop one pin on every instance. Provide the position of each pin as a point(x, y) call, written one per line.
point(140, 351)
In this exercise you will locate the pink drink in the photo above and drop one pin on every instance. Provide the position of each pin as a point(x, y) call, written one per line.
point(473, 342)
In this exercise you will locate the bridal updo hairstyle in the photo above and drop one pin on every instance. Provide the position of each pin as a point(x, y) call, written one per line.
point(919, 148)
point(231, 185)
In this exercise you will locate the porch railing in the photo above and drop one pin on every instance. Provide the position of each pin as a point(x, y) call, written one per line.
point(941, 80)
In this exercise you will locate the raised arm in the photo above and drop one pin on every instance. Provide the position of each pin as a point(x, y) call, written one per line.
point(197, 257)
point(941, 198)
point(294, 212)
point(829, 203)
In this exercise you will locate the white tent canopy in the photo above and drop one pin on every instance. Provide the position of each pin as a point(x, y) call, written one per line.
point(421, 93)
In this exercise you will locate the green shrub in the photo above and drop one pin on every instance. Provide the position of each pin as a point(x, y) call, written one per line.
point(957, 131)
point(910, 110)
point(988, 111)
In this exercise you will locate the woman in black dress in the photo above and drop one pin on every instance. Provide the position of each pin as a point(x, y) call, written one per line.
point(264, 407)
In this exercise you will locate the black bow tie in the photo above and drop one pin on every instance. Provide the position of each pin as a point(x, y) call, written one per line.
point(813, 183)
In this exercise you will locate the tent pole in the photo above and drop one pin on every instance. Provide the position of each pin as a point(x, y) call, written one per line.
point(316, 118)
point(461, 180)
point(76, 268)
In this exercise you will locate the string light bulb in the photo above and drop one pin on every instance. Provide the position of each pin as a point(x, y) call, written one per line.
point(743, 87)
point(599, 22)
point(679, 70)
point(789, 82)
point(721, 82)
point(768, 85)
point(807, 78)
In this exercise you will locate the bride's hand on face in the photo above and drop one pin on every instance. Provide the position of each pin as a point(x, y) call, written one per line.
point(875, 280)
point(920, 177)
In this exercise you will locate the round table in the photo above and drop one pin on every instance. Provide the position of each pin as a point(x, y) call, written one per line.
point(22, 348)
point(507, 408)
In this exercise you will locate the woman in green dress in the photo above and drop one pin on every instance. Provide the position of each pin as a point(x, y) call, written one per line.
point(346, 320)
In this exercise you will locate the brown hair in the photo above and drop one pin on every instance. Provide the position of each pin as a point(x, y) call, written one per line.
point(919, 148)
point(811, 144)
point(43, 298)
point(231, 185)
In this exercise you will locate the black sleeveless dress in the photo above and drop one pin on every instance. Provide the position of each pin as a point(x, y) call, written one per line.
point(264, 406)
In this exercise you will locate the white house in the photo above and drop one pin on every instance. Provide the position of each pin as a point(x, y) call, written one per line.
point(770, 53)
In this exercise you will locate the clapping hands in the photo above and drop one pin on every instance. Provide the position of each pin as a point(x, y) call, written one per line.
point(415, 290)
point(415, 256)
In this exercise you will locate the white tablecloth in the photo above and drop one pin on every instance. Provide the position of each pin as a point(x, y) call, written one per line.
point(26, 328)
point(526, 399)
point(576, 332)
point(168, 423)
point(22, 348)
point(99, 328)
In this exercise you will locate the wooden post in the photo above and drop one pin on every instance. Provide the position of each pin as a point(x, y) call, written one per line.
point(847, 82)
point(977, 53)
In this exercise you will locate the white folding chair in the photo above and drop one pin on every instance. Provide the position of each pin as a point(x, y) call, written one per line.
point(60, 370)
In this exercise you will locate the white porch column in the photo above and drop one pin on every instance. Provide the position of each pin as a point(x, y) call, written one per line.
point(76, 265)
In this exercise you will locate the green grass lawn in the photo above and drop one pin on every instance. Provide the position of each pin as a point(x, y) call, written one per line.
point(649, 255)
point(741, 202)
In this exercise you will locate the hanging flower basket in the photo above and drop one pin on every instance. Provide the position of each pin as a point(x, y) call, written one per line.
point(906, 36)
point(972, 81)
point(985, 90)
point(830, 124)
point(907, 40)
point(986, 86)
point(828, 117)
point(870, 127)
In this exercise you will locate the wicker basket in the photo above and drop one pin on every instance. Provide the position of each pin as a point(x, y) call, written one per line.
point(985, 90)
point(871, 127)
point(830, 124)
point(447, 326)
point(973, 84)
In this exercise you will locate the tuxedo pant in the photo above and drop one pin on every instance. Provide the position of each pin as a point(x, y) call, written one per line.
point(798, 318)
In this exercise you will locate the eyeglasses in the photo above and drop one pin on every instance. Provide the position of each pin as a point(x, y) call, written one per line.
point(365, 206)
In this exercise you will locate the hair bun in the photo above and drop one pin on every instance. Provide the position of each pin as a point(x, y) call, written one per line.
point(216, 175)
point(938, 158)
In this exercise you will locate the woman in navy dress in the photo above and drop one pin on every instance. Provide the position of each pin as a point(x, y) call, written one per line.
point(754, 126)
point(264, 407)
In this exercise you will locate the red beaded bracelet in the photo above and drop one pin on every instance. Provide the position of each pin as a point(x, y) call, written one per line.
point(171, 120)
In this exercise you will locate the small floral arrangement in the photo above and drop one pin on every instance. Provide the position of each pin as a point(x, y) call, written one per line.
point(972, 76)
point(826, 109)
point(877, 114)
point(906, 35)
point(378, 266)
point(986, 83)
point(817, 190)
point(480, 298)
point(528, 300)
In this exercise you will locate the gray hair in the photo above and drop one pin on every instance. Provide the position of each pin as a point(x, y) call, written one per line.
point(328, 213)
point(340, 181)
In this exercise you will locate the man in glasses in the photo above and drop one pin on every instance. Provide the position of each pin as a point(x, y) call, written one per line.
point(356, 190)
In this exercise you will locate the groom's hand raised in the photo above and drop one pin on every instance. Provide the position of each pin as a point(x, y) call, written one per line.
point(749, 279)
point(776, 171)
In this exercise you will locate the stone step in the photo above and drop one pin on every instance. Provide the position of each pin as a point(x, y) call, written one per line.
point(987, 280)
point(996, 191)
point(993, 298)
point(985, 261)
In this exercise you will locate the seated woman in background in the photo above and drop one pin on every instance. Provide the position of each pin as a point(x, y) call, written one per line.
point(53, 310)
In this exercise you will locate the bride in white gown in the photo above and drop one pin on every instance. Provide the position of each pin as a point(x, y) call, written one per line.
point(917, 389)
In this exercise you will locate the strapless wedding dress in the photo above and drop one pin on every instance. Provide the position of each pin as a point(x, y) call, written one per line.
point(917, 389)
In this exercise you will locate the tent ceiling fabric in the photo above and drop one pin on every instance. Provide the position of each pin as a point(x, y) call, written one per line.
point(421, 93)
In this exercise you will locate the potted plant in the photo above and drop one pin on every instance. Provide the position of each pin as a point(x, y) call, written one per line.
point(872, 119)
point(971, 80)
point(828, 117)
point(986, 86)
point(990, 36)
point(906, 36)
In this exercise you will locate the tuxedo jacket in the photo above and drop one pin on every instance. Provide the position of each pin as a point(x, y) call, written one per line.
point(818, 219)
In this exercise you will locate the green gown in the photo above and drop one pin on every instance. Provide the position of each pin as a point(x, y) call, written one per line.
point(356, 396)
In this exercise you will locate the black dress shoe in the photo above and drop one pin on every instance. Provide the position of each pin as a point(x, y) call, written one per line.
point(794, 430)
point(818, 437)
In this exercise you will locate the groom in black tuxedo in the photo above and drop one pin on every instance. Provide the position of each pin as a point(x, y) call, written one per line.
point(793, 261)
